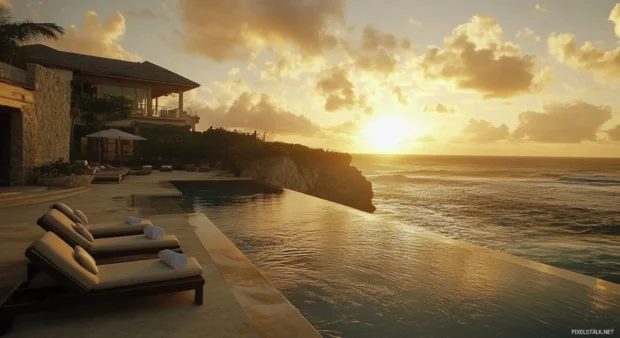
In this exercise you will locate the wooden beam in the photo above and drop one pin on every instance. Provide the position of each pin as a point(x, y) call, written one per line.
point(15, 104)
point(16, 94)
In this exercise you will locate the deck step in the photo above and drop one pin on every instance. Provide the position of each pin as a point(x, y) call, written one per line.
point(20, 199)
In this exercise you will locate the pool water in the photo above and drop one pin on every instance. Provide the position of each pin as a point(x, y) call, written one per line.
point(353, 274)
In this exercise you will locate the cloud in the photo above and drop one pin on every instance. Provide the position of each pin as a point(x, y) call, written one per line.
point(475, 57)
point(338, 90)
point(289, 65)
point(400, 96)
point(540, 8)
point(363, 104)
point(225, 92)
point(222, 30)
point(614, 17)
point(482, 131)
point(439, 108)
point(426, 138)
point(373, 40)
point(603, 63)
point(572, 122)
point(147, 14)
point(98, 38)
point(251, 111)
point(527, 33)
point(347, 128)
point(377, 51)
point(613, 134)
point(586, 57)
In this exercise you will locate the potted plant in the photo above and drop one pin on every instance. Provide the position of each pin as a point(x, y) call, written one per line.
point(61, 174)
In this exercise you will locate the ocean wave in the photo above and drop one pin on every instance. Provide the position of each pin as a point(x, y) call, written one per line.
point(399, 178)
point(591, 180)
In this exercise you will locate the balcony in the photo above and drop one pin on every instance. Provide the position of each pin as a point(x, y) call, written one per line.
point(166, 112)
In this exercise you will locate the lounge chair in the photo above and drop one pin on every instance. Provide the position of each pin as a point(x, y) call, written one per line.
point(108, 176)
point(78, 285)
point(145, 170)
point(204, 168)
point(104, 230)
point(56, 222)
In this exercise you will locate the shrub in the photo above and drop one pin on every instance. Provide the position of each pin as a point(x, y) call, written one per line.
point(179, 146)
point(61, 168)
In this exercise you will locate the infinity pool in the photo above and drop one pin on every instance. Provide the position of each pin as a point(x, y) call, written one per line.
point(353, 274)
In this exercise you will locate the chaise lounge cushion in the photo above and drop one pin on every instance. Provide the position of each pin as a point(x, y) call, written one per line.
point(61, 255)
point(81, 216)
point(85, 259)
point(67, 211)
point(145, 271)
point(136, 242)
point(67, 227)
point(116, 229)
point(79, 227)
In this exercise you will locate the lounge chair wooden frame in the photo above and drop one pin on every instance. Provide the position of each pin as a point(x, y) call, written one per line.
point(48, 227)
point(25, 299)
point(111, 175)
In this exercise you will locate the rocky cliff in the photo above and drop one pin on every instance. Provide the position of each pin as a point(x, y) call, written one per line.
point(342, 184)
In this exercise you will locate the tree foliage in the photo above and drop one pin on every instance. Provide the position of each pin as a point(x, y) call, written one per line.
point(177, 146)
point(14, 34)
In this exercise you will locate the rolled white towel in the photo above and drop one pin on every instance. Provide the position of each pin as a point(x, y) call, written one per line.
point(153, 232)
point(173, 259)
point(133, 220)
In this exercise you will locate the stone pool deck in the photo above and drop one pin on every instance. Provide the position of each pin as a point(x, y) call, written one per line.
point(238, 300)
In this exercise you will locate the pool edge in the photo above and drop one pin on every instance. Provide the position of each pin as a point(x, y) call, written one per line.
point(576, 277)
point(270, 312)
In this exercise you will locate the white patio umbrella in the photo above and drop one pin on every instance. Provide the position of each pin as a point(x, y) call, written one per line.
point(117, 135)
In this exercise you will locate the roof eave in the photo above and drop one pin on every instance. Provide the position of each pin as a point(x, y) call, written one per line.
point(190, 86)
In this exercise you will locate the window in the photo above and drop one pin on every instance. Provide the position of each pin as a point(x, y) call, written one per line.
point(137, 96)
point(141, 99)
point(111, 90)
point(130, 93)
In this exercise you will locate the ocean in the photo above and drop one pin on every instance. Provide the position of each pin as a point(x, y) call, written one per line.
point(558, 211)
point(355, 274)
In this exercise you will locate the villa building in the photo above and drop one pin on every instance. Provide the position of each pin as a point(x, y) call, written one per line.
point(35, 106)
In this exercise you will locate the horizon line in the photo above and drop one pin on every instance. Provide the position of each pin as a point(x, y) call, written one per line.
point(474, 155)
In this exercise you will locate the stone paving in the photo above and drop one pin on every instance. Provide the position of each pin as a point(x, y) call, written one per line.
point(222, 315)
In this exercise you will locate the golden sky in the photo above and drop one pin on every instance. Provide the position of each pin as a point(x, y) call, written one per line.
point(443, 77)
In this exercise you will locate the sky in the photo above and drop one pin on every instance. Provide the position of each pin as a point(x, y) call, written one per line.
point(478, 77)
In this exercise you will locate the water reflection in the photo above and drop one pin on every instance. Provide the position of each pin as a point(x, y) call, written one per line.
point(356, 275)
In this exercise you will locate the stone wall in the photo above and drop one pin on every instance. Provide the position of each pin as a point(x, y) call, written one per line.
point(52, 104)
point(17, 174)
point(13, 74)
point(41, 132)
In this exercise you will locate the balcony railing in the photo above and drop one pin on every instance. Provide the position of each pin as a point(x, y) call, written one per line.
point(167, 112)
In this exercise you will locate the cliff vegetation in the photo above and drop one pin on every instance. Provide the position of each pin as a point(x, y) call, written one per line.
point(318, 172)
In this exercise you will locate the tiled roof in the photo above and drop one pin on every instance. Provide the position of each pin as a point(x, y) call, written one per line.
point(94, 65)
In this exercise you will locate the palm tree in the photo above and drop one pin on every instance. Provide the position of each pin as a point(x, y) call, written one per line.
point(17, 33)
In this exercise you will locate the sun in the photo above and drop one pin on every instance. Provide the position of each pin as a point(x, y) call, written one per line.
point(387, 134)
